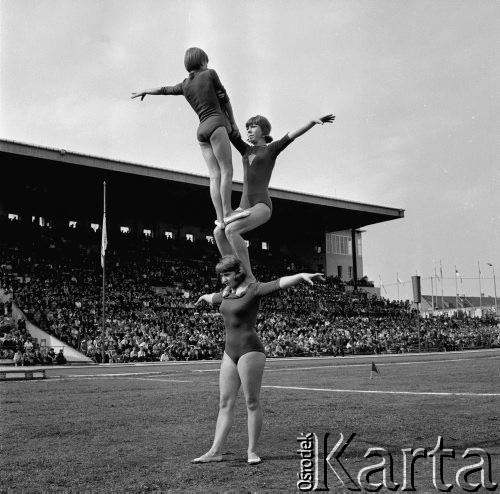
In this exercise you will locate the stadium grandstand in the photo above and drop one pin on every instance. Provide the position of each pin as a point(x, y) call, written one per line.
point(161, 256)
point(472, 306)
point(52, 186)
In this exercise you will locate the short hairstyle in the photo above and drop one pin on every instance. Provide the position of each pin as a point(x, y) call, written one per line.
point(194, 58)
point(263, 123)
point(231, 264)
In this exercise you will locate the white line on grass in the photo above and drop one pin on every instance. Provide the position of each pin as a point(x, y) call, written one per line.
point(371, 391)
point(289, 369)
point(25, 381)
point(116, 376)
point(156, 364)
point(92, 378)
point(119, 374)
point(379, 364)
point(155, 379)
point(82, 378)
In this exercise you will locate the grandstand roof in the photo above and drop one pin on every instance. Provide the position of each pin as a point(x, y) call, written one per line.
point(36, 171)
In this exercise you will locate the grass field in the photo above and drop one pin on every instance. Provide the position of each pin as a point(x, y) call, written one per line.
point(135, 428)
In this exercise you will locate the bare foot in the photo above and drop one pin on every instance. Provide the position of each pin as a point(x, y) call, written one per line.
point(207, 458)
point(253, 458)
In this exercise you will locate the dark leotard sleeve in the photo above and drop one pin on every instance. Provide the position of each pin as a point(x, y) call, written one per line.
point(277, 146)
point(219, 88)
point(172, 90)
point(239, 144)
point(267, 288)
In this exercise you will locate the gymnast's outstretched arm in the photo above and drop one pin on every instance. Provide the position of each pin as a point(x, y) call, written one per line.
point(309, 125)
point(208, 297)
point(142, 94)
point(163, 90)
point(289, 281)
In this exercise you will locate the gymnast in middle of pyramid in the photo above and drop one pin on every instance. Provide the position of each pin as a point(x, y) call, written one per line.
point(259, 158)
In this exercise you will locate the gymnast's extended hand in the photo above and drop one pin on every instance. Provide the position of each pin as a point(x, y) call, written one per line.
point(207, 298)
point(141, 95)
point(310, 124)
point(295, 279)
point(326, 119)
point(309, 277)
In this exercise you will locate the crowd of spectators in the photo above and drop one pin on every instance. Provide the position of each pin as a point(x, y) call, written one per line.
point(56, 280)
point(16, 343)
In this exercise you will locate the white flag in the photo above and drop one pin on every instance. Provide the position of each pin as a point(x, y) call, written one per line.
point(104, 240)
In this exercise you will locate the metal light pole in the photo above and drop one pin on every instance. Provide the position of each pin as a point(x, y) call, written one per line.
point(480, 294)
point(495, 288)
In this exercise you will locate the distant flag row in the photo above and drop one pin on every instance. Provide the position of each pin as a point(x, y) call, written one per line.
point(434, 298)
point(436, 276)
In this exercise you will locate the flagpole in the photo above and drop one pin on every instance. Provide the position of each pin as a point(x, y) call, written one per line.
point(103, 264)
point(480, 294)
point(441, 272)
point(432, 294)
point(494, 287)
point(436, 278)
point(381, 286)
point(456, 289)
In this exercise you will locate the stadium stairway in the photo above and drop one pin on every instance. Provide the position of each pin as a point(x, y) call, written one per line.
point(72, 356)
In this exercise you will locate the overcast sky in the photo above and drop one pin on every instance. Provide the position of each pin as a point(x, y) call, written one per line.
point(414, 86)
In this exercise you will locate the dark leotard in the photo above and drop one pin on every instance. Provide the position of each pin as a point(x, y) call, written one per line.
point(258, 165)
point(204, 92)
point(240, 317)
